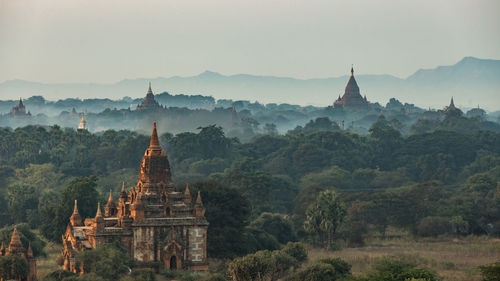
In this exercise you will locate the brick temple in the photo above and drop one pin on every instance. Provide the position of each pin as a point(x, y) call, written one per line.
point(160, 227)
point(352, 98)
point(16, 248)
point(149, 102)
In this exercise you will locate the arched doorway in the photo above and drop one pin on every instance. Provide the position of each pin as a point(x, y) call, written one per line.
point(172, 255)
point(173, 262)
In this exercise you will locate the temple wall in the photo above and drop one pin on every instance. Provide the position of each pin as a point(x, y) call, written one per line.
point(144, 238)
point(197, 246)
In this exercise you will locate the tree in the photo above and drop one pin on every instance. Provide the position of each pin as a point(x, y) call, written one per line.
point(228, 212)
point(107, 261)
point(55, 215)
point(394, 269)
point(266, 265)
point(276, 225)
point(325, 216)
point(327, 269)
point(13, 267)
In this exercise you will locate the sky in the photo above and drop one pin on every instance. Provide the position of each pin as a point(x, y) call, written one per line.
point(105, 41)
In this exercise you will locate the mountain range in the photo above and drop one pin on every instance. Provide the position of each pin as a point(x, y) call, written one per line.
point(471, 81)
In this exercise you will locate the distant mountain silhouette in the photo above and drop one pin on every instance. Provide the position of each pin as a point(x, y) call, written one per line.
point(471, 81)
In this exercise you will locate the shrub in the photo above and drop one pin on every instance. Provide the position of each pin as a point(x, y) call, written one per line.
point(490, 272)
point(433, 226)
point(327, 269)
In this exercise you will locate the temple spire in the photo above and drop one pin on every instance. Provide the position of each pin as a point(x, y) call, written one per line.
point(15, 240)
point(155, 143)
point(187, 195)
point(123, 186)
point(110, 198)
point(75, 208)
point(149, 89)
point(30, 250)
point(452, 104)
point(352, 70)
point(198, 199)
point(98, 214)
point(75, 219)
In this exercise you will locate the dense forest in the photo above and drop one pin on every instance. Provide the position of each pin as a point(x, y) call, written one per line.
point(318, 183)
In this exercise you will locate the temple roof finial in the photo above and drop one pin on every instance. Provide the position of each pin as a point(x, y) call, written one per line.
point(149, 89)
point(75, 209)
point(198, 199)
point(352, 70)
point(15, 240)
point(98, 213)
point(110, 198)
point(154, 138)
point(452, 104)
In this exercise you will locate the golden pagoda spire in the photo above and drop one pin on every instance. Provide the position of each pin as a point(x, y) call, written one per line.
point(75, 208)
point(155, 143)
point(98, 214)
point(110, 198)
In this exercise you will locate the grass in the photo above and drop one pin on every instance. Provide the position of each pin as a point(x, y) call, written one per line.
point(454, 259)
point(49, 263)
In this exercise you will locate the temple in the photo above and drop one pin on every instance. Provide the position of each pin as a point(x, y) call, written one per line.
point(83, 123)
point(19, 110)
point(451, 106)
point(160, 227)
point(16, 248)
point(352, 99)
point(149, 102)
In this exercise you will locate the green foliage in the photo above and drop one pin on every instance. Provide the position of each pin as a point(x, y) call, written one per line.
point(55, 215)
point(108, 261)
point(228, 212)
point(13, 267)
point(394, 269)
point(325, 216)
point(276, 225)
point(266, 265)
point(328, 269)
point(433, 226)
point(59, 275)
point(490, 272)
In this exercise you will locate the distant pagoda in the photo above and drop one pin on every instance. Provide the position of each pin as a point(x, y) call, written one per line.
point(83, 123)
point(352, 99)
point(451, 106)
point(19, 110)
point(149, 103)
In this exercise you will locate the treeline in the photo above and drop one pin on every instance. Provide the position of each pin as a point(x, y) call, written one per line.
point(258, 193)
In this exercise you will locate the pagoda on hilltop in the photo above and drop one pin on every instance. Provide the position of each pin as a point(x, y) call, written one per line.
point(19, 110)
point(352, 99)
point(16, 248)
point(83, 123)
point(149, 102)
point(160, 227)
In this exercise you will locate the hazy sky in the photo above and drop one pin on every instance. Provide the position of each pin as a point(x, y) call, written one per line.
point(108, 40)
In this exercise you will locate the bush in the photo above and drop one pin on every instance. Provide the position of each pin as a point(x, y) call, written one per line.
point(394, 269)
point(328, 269)
point(58, 275)
point(490, 272)
point(433, 226)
